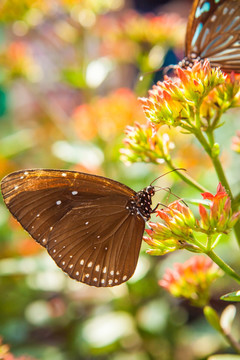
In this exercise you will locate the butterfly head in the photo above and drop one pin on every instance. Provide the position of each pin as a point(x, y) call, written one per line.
point(150, 190)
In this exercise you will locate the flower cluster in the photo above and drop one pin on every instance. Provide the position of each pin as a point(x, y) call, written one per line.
point(132, 36)
point(143, 143)
point(174, 233)
point(13, 10)
point(165, 28)
point(191, 279)
point(17, 61)
point(179, 224)
point(16, 10)
point(220, 99)
point(105, 117)
point(220, 218)
point(191, 99)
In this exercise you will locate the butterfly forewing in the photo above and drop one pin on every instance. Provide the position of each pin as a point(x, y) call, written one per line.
point(213, 32)
point(81, 219)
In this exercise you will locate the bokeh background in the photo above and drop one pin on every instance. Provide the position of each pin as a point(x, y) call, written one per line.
point(69, 82)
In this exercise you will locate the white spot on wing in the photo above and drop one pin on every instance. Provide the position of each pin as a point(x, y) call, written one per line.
point(44, 241)
point(95, 279)
point(82, 262)
point(64, 174)
point(225, 10)
point(102, 281)
point(104, 269)
point(213, 18)
point(87, 222)
point(97, 267)
point(116, 281)
point(77, 273)
point(110, 282)
point(111, 272)
point(71, 266)
point(89, 264)
point(26, 173)
point(74, 192)
point(87, 275)
point(58, 202)
point(124, 277)
point(63, 263)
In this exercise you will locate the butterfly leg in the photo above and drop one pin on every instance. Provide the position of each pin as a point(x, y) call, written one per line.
point(139, 213)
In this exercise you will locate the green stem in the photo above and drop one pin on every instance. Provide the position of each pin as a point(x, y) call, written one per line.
point(236, 229)
point(225, 267)
point(210, 138)
point(214, 124)
point(202, 141)
point(221, 175)
point(209, 242)
point(186, 178)
point(235, 202)
point(235, 345)
point(197, 116)
point(215, 160)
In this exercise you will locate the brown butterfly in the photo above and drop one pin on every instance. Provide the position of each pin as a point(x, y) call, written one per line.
point(213, 32)
point(90, 225)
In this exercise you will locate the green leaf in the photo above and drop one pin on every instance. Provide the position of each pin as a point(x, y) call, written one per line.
point(75, 78)
point(212, 317)
point(233, 296)
point(17, 142)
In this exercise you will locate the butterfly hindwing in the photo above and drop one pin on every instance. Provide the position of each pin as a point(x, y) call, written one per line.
point(81, 219)
point(93, 250)
point(213, 32)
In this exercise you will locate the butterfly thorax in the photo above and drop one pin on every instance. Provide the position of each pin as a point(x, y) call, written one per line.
point(189, 60)
point(141, 203)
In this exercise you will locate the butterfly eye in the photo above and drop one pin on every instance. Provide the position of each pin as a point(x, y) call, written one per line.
point(150, 190)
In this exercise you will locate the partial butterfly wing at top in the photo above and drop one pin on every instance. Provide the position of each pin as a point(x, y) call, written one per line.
point(213, 32)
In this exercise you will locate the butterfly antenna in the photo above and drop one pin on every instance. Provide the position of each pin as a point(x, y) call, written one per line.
point(166, 174)
point(167, 189)
point(149, 73)
point(167, 68)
